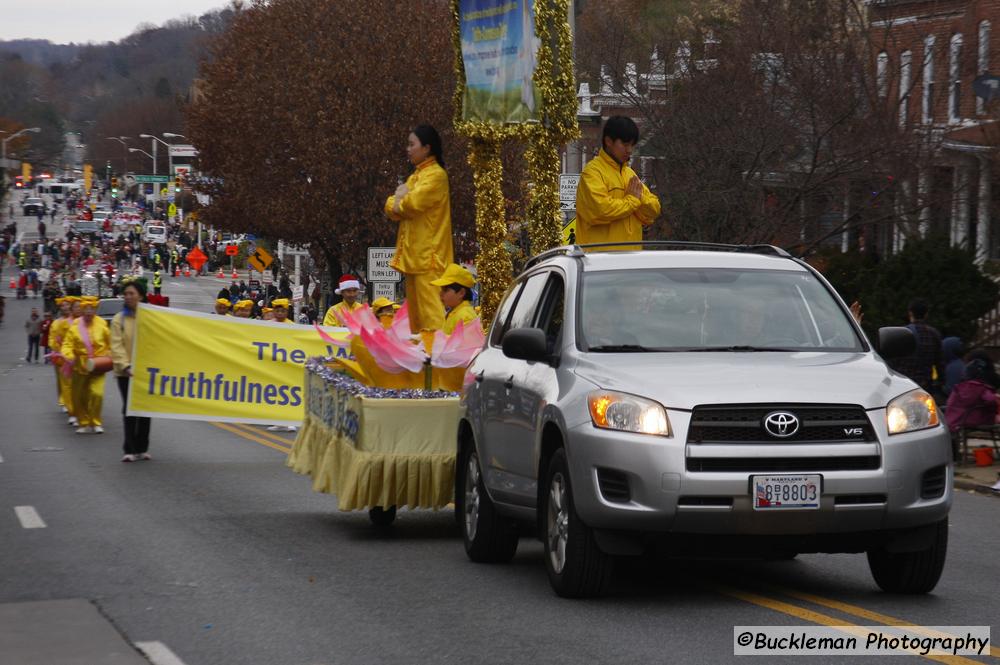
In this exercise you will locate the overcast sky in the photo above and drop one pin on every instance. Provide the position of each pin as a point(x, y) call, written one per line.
point(80, 21)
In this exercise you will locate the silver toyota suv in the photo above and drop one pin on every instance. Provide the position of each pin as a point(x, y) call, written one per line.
point(691, 398)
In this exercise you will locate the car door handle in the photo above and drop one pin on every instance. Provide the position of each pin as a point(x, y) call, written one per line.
point(479, 377)
point(509, 383)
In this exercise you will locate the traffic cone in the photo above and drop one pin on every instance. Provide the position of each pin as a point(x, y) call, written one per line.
point(187, 272)
point(13, 283)
point(221, 275)
point(235, 274)
point(177, 272)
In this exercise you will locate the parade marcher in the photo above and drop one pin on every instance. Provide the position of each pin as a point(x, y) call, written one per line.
point(349, 288)
point(243, 309)
point(33, 326)
point(456, 294)
point(222, 306)
point(56, 334)
point(385, 310)
point(612, 204)
point(422, 206)
point(136, 443)
point(157, 283)
point(280, 307)
point(88, 346)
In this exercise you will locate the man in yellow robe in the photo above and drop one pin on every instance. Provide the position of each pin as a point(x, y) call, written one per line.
point(87, 339)
point(612, 204)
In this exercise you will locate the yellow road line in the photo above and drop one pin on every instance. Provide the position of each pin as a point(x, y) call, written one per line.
point(861, 612)
point(824, 620)
point(251, 437)
point(264, 433)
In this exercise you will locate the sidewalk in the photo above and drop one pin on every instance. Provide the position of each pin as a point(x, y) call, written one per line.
point(978, 478)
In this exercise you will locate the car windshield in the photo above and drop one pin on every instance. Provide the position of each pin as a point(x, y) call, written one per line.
point(711, 309)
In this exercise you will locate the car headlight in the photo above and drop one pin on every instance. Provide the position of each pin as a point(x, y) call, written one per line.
point(628, 413)
point(910, 412)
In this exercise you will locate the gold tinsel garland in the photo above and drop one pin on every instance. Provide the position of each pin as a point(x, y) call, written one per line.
point(559, 125)
point(493, 263)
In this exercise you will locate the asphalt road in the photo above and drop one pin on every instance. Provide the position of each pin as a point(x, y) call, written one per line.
point(217, 550)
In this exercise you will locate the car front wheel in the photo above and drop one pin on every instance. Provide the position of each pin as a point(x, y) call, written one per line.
point(576, 566)
point(911, 572)
point(488, 536)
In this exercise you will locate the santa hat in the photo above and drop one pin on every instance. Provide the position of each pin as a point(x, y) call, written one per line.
point(347, 282)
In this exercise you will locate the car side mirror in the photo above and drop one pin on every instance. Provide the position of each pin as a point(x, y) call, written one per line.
point(525, 344)
point(896, 342)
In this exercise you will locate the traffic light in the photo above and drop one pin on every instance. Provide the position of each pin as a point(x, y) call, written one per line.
point(178, 184)
point(26, 172)
point(88, 177)
point(114, 187)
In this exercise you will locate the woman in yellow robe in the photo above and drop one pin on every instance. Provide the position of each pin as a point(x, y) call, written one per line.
point(89, 337)
point(422, 206)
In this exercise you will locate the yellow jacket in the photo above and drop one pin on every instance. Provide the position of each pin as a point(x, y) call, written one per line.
point(122, 334)
point(463, 312)
point(74, 348)
point(423, 243)
point(332, 317)
point(57, 331)
point(604, 212)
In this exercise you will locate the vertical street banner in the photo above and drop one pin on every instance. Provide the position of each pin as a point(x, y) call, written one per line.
point(499, 51)
point(199, 366)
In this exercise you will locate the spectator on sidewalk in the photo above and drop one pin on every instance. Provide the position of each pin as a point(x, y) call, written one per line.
point(954, 366)
point(33, 326)
point(924, 366)
point(973, 402)
point(43, 341)
point(990, 377)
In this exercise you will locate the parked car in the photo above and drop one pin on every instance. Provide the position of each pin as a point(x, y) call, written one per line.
point(108, 307)
point(32, 206)
point(155, 233)
point(696, 401)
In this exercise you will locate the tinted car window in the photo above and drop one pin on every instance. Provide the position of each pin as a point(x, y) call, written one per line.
point(551, 313)
point(677, 309)
point(500, 320)
point(527, 302)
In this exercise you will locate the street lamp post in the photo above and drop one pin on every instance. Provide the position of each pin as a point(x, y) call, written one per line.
point(170, 164)
point(121, 139)
point(3, 148)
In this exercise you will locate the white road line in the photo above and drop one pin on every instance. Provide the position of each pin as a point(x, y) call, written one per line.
point(30, 519)
point(158, 653)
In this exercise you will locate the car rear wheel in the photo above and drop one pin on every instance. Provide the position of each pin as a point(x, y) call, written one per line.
point(576, 566)
point(911, 572)
point(488, 536)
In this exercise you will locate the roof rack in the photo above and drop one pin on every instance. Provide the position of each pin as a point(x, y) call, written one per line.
point(577, 251)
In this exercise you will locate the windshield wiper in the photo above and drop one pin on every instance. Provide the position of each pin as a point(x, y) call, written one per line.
point(613, 348)
point(740, 347)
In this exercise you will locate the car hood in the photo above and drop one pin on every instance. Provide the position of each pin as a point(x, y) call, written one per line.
point(685, 380)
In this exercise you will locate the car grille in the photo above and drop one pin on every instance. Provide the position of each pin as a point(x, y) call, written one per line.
point(745, 424)
point(766, 464)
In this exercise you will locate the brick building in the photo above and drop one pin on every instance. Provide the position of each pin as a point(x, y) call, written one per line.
point(933, 50)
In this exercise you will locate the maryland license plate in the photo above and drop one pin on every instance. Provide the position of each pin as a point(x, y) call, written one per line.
point(799, 492)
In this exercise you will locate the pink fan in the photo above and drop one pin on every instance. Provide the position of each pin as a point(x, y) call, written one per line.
point(458, 349)
point(342, 343)
point(401, 322)
point(391, 353)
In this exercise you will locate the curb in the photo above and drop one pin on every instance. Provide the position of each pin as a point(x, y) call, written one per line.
point(969, 484)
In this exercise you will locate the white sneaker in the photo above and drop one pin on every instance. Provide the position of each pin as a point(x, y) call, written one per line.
point(128, 458)
point(63, 409)
point(72, 421)
point(84, 430)
point(97, 429)
point(145, 456)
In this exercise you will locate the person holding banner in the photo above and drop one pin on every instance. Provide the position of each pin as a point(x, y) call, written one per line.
point(87, 346)
point(348, 288)
point(280, 306)
point(243, 309)
point(612, 204)
point(122, 335)
point(422, 206)
point(222, 307)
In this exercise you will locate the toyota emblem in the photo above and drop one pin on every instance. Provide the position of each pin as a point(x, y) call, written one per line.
point(781, 424)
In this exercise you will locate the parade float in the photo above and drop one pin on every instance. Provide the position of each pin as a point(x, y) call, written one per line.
point(380, 427)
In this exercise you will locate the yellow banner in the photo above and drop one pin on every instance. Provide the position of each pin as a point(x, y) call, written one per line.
point(194, 366)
